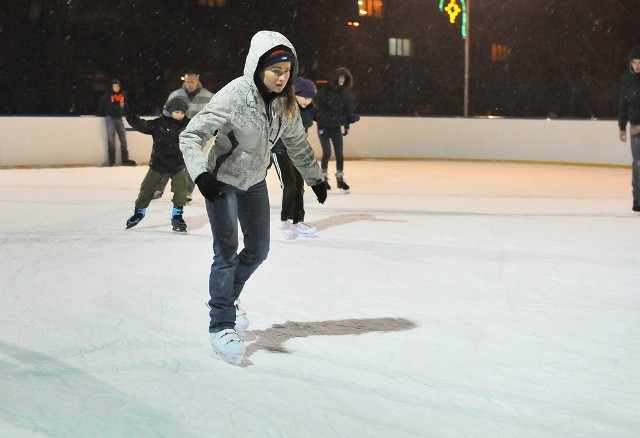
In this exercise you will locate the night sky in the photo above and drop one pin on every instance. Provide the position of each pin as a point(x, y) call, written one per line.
point(564, 58)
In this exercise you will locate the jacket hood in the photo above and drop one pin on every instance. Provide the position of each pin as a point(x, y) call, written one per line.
point(348, 78)
point(633, 54)
point(261, 43)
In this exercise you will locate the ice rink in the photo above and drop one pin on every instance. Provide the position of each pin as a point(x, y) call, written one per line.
point(440, 299)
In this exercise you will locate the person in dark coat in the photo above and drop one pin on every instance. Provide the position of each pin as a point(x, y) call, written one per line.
point(629, 111)
point(113, 106)
point(166, 159)
point(291, 181)
point(196, 97)
point(333, 111)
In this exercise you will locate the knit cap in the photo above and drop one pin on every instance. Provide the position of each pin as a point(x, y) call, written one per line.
point(276, 55)
point(177, 104)
point(304, 87)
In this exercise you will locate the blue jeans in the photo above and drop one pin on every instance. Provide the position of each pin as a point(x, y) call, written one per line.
point(230, 270)
point(116, 126)
point(635, 167)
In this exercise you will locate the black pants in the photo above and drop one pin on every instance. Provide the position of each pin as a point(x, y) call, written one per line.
point(328, 136)
point(292, 185)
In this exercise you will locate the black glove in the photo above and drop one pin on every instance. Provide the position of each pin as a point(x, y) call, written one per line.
point(320, 190)
point(345, 132)
point(210, 187)
point(353, 118)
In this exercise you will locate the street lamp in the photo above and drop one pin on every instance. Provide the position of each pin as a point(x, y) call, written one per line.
point(453, 10)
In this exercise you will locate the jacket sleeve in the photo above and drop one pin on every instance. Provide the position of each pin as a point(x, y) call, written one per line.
point(141, 125)
point(199, 131)
point(299, 150)
point(623, 110)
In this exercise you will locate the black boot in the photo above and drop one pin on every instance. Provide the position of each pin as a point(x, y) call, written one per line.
point(636, 205)
point(177, 222)
point(326, 180)
point(342, 185)
point(138, 215)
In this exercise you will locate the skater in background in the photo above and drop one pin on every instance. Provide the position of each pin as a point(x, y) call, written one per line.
point(166, 159)
point(291, 181)
point(249, 115)
point(333, 111)
point(113, 106)
point(629, 111)
point(196, 97)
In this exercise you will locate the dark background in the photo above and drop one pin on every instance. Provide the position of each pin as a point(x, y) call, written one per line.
point(565, 58)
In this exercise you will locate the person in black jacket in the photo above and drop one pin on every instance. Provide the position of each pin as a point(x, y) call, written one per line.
point(166, 159)
point(112, 106)
point(333, 111)
point(291, 181)
point(629, 111)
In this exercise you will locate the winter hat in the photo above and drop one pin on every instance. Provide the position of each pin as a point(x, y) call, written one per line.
point(276, 55)
point(305, 87)
point(635, 53)
point(115, 81)
point(177, 104)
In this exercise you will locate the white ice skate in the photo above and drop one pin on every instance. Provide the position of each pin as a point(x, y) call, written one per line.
point(242, 322)
point(305, 230)
point(289, 230)
point(228, 346)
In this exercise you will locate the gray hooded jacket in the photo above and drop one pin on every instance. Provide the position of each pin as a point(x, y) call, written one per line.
point(247, 129)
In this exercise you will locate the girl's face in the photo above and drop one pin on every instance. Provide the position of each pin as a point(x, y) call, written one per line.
point(178, 115)
point(303, 101)
point(276, 76)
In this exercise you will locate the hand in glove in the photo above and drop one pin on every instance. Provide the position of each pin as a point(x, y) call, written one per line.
point(320, 190)
point(353, 118)
point(210, 187)
point(345, 131)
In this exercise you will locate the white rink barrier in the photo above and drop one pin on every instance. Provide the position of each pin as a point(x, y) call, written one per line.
point(81, 141)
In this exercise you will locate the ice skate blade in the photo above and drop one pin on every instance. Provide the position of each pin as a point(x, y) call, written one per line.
point(179, 231)
point(233, 360)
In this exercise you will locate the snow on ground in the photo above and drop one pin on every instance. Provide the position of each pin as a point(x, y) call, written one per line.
point(441, 299)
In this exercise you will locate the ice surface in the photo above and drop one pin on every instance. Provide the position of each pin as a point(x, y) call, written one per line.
point(441, 299)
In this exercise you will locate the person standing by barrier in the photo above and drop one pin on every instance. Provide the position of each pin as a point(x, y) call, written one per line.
point(333, 111)
point(247, 117)
point(629, 111)
point(112, 106)
point(196, 97)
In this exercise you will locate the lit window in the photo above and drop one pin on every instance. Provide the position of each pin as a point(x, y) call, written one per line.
point(370, 8)
point(400, 47)
point(212, 3)
point(500, 52)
